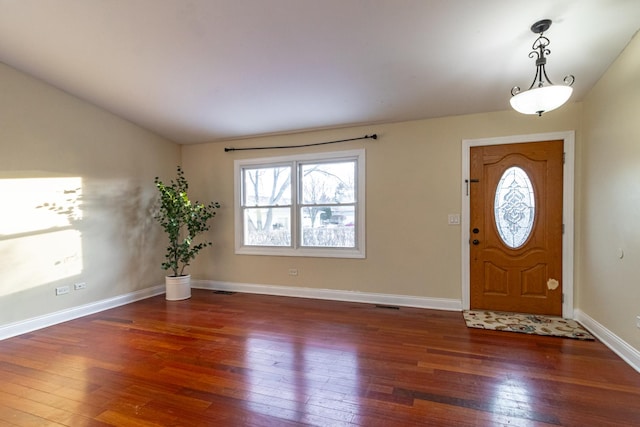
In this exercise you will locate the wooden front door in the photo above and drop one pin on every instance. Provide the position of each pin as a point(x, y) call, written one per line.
point(516, 227)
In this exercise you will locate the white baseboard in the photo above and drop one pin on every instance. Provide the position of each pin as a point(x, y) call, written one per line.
point(332, 294)
point(22, 327)
point(29, 325)
point(628, 353)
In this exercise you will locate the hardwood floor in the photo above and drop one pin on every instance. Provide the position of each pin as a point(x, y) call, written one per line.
point(252, 360)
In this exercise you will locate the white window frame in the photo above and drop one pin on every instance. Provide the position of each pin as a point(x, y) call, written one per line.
point(295, 249)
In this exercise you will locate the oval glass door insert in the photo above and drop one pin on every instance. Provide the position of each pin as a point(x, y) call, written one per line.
point(514, 207)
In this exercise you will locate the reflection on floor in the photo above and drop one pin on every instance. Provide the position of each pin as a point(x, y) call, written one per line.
point(255, 360)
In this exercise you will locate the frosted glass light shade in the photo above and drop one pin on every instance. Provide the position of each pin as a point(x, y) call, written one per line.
point(541, 99)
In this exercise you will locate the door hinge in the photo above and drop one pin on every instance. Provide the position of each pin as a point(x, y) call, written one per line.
point(562, 228)
point(564, 158)
point(563, 298)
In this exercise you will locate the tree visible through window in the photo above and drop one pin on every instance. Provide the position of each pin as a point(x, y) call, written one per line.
point(267, 206)
point(300, 205)
point(328, 204)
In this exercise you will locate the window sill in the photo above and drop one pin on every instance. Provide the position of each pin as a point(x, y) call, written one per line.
point(302, 252)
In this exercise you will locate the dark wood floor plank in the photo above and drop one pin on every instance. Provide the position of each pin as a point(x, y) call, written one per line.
point(252, 360)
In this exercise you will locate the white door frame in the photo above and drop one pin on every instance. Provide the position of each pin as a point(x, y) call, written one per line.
point(567, 209)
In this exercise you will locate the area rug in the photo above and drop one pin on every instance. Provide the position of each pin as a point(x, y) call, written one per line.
point(526, 324)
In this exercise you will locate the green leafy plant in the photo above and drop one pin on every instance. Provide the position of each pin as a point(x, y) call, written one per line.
point(183, 221)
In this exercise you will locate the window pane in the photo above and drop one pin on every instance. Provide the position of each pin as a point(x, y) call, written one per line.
point(328, 226)
point(327, 183)
point(268, 186)
point(514, 207)
point(267, 226)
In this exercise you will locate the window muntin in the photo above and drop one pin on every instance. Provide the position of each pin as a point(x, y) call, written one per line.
point(308, 205)
point(514, 207)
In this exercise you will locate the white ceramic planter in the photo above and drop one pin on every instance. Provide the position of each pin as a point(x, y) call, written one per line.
point(178, 288)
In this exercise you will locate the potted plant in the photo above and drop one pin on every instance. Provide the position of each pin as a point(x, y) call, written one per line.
point(183, 221)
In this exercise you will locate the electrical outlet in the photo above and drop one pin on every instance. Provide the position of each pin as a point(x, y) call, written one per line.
point(61, 290)
point(79, 286)
point(454, 219)
point(293, 272)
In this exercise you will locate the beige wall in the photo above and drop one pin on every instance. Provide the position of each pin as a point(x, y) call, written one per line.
point(413, 183)
point(609, 288)
point(101, 235)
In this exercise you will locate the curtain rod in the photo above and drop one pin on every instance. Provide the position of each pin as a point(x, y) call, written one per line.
point(373, 136)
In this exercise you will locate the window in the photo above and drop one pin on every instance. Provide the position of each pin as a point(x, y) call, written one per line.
point(514, 207)
point(307, 205)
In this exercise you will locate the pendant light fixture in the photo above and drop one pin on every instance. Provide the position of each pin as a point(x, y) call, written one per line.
point(542, 95)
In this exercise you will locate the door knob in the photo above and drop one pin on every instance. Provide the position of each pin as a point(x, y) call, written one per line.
point(475, 231)
point(476, 242)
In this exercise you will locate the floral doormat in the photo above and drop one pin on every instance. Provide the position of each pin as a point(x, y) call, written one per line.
point(526, 324)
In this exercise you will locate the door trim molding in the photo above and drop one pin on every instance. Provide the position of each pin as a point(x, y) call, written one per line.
point(567, 209)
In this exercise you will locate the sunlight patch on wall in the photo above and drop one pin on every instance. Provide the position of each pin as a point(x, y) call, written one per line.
point(35, 204)
point(39, 239)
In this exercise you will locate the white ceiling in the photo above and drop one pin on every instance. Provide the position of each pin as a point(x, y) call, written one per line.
point(205, 70)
